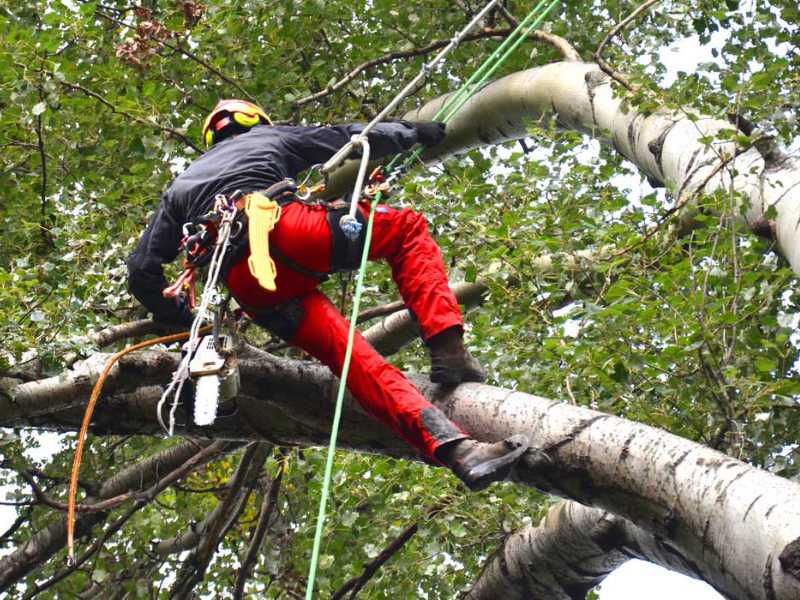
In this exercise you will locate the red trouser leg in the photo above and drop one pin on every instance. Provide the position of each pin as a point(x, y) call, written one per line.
point(401, 237)
point(380, 388)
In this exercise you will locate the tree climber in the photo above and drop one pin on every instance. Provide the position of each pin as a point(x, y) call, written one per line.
point(249, 154)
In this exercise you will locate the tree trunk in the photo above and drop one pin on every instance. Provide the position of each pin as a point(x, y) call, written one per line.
point(572, 550)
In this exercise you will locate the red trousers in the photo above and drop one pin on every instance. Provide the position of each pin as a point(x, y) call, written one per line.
point(304, 316)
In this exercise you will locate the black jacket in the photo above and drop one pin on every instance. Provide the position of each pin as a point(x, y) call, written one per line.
point(248, 162)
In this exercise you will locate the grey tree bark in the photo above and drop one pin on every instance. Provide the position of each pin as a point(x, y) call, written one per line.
point(669, 147)
point(567, 554)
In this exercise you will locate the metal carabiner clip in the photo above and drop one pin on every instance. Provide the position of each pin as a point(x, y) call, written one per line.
point(237, 227)
point(303, 190)
point(310, 172)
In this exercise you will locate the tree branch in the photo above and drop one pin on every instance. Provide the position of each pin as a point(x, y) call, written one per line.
point(181, 50)
point(572, 550)
point(20, 520)
point(560, 43)
point(400, 328)
point(169, 130)
point(134, 329)
point(206, 454)
point(256, 541)
point(598, 54)
point(45, 543)
point(355, 584)
point(194, 567)
point(686, 493)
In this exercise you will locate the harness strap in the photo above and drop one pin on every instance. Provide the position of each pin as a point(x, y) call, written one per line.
point(295, 266)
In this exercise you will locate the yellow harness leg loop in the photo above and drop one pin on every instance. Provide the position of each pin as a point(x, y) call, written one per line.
point(262, 214)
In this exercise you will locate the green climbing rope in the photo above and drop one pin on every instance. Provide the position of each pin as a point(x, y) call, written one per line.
point(445, 113)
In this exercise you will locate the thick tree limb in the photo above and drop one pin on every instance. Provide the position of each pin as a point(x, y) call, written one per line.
point(110, 335)
point(567, 554)
point(702, 503)
point(398, 329)
point(676, 149)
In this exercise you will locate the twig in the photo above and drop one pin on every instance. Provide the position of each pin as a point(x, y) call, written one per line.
point(501, 8)
point(203, 456)
point(23, 518)
point(186, 53)
point(43, 184)
point(265, 514)
point(104, 505)
point(680, 204)
point(380, 311)
point(16, 165)
point(569, 391)
point(209, 490)
point(560, 43)
point(108, 104)
point(355, 584)
point(598, 54)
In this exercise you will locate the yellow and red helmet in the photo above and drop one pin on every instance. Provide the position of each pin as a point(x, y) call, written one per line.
point(230, 117)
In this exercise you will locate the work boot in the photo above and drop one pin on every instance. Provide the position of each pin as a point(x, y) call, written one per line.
point(451, 362)
point(478, 464)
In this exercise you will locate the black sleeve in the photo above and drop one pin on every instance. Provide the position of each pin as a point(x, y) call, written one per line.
point(157, 246)
point(314, 145)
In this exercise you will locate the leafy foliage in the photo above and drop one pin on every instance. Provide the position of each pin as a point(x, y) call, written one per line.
point(100, 104)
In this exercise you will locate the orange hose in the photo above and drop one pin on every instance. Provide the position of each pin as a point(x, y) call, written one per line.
point(87, 417)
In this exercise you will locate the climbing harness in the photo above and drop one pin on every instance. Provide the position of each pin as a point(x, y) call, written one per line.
point(348, 225)
point(208, 359)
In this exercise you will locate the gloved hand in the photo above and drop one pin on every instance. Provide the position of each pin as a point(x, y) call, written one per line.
point(430, 133)
point(181, 315)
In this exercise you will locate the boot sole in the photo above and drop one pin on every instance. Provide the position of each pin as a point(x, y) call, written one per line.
point(481, 476)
